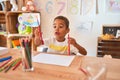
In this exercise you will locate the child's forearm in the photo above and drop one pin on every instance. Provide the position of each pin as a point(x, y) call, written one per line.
point(80, 49)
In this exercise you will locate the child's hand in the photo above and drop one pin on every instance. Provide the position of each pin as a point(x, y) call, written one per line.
point(75, 44)
point(72, 41)
point(37, 37)
point(37, 34)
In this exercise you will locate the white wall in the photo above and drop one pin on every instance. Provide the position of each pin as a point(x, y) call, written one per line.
point(87, 39)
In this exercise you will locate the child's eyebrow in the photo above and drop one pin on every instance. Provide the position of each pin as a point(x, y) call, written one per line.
point(54, 23)
point(59, 24)
point(62, 24)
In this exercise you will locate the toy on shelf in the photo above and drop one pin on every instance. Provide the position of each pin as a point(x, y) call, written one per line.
point(16, 43)
point(107, 36)
point(23, 29)
point(2, 4)
point(14, 5)
point(29, 6)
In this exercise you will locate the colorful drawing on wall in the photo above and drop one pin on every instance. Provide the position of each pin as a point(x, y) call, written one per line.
point(61, 7)
point(74, 7)
point(49, 7)
point(31, 19)
point(88, 7)
point(112, 6)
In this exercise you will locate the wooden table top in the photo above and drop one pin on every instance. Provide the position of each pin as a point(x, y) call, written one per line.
point(54, 72)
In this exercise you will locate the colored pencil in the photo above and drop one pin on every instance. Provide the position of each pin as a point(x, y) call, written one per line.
point(17, 65)
point(6, 66)
point(5, 58)
point(84, 71)
point(12, 64)
point(25, 60)
point(68, 44)
point(40, 33)
point(28, 53)
point(4, 63)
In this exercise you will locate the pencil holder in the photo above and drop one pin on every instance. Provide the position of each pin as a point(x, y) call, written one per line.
point(27, 59)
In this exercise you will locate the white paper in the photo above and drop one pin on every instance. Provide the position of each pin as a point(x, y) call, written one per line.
point(3, 50)
point(61, 60)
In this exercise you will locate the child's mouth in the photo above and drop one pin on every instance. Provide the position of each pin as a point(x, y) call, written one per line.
point(57, 33)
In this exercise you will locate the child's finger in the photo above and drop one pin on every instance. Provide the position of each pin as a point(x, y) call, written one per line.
point(36, 32)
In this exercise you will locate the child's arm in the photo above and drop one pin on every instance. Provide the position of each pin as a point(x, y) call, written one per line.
point(80, 48)
point(37, 39)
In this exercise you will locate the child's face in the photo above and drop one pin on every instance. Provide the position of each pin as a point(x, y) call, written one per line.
point(60, 28)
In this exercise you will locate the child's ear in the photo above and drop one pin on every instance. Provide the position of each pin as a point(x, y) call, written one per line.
point(68, 30)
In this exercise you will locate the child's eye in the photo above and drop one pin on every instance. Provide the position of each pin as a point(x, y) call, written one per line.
point(61, 26)
point(54, 26)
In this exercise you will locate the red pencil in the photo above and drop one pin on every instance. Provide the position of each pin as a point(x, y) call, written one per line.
point(40, 35)
point(68, 44)
point(40, 32)
point(4, 63)
point(19, 62)
point(84, 71)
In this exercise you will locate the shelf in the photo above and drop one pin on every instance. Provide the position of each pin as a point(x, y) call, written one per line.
point(3, 33)
point(19, 35)
point(3, 40)
point(10, 19)
point(108, 47)
point(18, 12)
point(2, 17)
point(16, 36)
point(2, 12)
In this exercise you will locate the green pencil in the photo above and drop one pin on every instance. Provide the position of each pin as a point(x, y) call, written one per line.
point(12, 64)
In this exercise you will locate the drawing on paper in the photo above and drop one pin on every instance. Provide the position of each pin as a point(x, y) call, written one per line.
point(88, 7)
point(112, 6)
point(85, 26)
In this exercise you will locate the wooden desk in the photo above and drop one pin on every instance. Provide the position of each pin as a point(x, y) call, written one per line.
point(54, 72)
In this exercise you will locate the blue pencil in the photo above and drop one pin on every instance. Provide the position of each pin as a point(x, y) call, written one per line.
point(6, 58)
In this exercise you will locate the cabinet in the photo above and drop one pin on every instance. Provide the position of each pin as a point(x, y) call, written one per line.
point(2, 22)
point(3, 31)
point(11, 19)
point(108, 47)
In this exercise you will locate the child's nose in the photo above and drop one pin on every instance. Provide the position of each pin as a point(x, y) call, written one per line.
point(56, 29)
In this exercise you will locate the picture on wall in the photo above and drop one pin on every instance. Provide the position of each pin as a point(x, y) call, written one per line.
point(112, 6)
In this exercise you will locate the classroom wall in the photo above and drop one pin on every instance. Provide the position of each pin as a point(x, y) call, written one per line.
point(85, 21)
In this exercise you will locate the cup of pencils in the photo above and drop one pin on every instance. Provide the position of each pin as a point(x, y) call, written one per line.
point(26, 54)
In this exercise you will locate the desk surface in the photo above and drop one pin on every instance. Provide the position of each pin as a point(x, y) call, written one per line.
point(54, 72)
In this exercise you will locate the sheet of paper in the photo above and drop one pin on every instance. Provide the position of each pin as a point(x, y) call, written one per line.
point(61, 60)
point(3, 50)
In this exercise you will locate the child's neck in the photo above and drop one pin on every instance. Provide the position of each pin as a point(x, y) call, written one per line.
point(60, 39)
